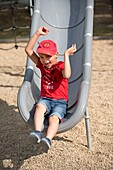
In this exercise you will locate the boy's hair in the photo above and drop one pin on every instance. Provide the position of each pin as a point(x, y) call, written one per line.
point(47, 47)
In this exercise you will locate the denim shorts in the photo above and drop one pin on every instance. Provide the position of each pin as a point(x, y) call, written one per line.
point(54, 107)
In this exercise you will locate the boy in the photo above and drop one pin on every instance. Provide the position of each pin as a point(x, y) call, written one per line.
point(54, 85)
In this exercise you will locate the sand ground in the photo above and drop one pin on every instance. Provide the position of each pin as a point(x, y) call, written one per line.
point(69, 151)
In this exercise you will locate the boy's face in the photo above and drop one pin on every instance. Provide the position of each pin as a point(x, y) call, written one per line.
point(47, 60)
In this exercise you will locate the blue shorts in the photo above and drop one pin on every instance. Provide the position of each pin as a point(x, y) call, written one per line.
point(54, 107)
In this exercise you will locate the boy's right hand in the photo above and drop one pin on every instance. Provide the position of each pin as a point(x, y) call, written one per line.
point(42, 31)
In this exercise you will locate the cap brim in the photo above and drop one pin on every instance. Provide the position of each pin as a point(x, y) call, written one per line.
point(44, 52)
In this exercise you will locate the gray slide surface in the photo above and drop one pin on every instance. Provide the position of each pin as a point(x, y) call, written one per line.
point(68, 21)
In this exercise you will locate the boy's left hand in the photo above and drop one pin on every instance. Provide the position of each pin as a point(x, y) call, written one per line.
point(71, 50)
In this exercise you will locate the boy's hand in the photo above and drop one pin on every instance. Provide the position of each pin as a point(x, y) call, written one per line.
point(42, 31)
point(71, 50)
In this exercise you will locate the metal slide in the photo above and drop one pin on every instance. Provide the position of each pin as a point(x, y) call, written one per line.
point(68, 21)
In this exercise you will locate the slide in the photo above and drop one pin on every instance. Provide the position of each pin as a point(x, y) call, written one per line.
point(68, 21)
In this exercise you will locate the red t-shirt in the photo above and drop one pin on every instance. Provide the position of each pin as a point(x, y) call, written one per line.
point(53, 84)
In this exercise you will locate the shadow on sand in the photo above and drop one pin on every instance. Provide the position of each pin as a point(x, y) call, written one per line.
point(15, 146)
point(14, 142)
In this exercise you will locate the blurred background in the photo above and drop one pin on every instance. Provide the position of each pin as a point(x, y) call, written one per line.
point(15, 19)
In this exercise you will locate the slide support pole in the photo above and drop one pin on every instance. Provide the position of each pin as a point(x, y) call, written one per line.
point(88, 133)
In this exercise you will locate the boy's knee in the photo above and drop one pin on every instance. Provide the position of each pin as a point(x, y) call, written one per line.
point(41, 107)
point(54, 118)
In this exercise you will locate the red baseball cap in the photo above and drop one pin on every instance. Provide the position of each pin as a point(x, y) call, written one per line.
point(47, 47)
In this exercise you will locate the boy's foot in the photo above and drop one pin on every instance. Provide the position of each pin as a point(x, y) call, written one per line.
point(45, 144)
point(36, 136)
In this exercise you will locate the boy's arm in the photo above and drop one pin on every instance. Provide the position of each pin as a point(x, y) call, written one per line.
point(67, 68)
point(29, 48)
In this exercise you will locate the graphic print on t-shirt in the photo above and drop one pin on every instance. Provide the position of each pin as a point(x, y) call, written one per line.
point(53, 85)
point(50, 78)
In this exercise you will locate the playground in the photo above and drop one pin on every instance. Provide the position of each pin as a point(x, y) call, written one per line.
point(69, 149)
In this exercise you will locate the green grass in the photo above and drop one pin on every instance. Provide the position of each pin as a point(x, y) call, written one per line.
point(103, 26)
point(21, 18)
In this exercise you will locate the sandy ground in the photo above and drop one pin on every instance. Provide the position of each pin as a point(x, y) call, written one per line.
point(69, 151)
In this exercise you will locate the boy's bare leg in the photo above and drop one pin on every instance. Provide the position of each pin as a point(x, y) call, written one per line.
point(39, 116)
point(53, 127)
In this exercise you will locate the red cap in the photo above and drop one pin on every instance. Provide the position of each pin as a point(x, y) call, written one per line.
point(47, 47)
